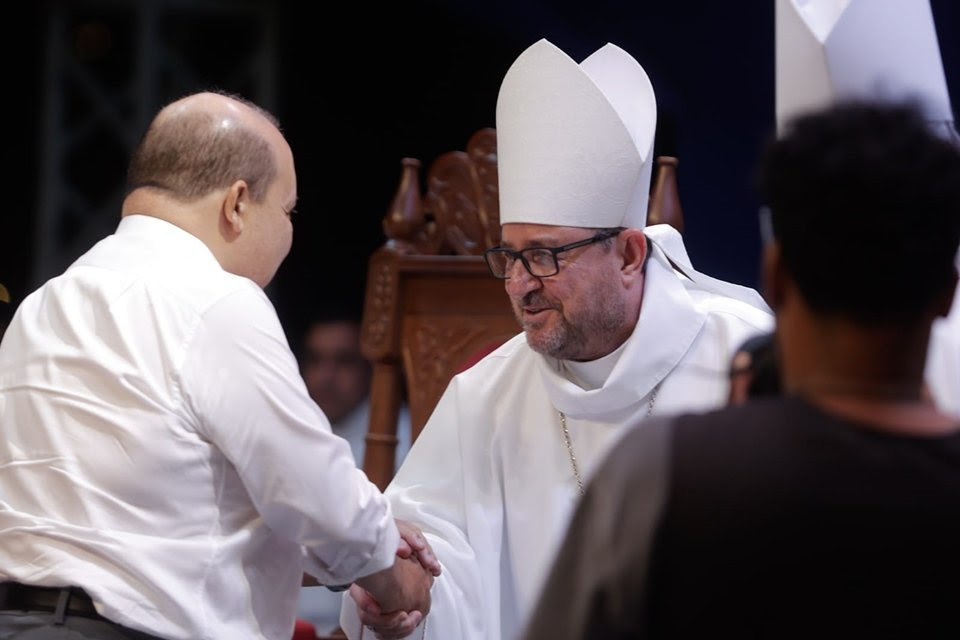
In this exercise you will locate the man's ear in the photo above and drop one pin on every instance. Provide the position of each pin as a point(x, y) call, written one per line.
point(774, 276)
point(634, 252)
point(233, 209)
point(945, 302)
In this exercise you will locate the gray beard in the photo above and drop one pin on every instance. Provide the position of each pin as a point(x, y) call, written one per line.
point(570, 340)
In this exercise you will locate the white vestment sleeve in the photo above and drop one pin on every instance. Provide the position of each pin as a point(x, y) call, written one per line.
point(429, 490)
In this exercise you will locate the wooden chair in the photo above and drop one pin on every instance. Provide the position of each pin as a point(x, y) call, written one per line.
point(431, 305)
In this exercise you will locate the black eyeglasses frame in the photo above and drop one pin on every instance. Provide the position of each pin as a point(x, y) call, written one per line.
point(515, 255)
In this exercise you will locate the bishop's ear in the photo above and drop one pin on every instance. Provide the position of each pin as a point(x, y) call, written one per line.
point(634, 251)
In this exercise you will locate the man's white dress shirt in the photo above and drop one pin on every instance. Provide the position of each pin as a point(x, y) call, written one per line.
point(317, 604)
point(160, 450)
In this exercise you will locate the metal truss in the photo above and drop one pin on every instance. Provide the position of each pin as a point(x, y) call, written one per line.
point(109, 66)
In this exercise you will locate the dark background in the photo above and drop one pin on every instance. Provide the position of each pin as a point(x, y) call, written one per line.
point(360, 86)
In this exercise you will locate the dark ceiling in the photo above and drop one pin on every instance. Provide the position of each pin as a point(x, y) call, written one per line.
point(360, 86)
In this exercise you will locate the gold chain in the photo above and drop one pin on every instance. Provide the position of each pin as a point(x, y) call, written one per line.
point(573, 458)
point(569, 443)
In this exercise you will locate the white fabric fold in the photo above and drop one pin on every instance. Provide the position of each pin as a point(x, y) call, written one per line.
point(490, 479)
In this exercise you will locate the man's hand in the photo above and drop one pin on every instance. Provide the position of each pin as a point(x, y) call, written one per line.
point(413, 543)
point(392, 602)
point(385, 626)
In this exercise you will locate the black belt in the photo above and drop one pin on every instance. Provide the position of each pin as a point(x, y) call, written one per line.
point(61, 601)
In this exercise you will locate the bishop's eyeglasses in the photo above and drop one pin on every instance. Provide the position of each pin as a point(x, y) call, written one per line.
point(540, 262)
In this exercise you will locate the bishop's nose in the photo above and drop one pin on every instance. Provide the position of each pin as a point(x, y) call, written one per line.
point(519, 282)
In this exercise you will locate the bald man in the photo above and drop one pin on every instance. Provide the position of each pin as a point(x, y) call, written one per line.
point(163, 470)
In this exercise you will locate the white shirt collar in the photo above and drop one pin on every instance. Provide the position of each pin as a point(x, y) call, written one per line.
point(591, 374)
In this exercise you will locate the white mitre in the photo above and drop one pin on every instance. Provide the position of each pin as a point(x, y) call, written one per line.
point(829, 51)
point(575, 141)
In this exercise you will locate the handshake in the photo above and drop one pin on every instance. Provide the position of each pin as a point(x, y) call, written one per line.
point(392, 602)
